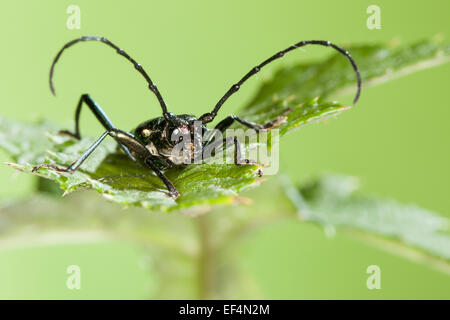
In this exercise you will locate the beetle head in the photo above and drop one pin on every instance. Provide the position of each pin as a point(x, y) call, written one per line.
point(182, 129)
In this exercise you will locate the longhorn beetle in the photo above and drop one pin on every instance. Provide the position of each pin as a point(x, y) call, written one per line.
point(149, 144)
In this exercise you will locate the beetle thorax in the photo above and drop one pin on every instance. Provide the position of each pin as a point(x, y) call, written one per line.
point(173, 140)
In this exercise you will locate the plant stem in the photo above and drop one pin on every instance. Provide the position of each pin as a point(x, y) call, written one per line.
point(205, 260)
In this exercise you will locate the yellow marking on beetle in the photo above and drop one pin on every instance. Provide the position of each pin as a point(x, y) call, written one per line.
point(146, 133)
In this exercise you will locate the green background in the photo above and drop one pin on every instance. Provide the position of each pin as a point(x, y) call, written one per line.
point(395, 139)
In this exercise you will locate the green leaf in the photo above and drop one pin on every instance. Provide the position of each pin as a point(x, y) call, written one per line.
point(292, 94)
point(115, 176)
point(333, 201)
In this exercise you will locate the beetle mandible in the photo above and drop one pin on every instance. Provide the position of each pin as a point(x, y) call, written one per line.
point(150, 143)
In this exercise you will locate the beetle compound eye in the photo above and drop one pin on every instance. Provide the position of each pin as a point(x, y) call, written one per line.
point(146, 133)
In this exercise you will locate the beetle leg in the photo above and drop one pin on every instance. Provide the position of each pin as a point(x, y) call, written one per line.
point(77, 163)
point(130, 141)
point(228, 121)
point(227, 142)
point(173, 192)
point(99, 114)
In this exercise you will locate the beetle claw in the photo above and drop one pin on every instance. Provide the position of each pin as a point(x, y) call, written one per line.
point(174, 194)
point(246, 162)
point(260, 172)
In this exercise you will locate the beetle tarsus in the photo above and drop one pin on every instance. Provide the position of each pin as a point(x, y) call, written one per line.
point(246, 162)
point(51, 167)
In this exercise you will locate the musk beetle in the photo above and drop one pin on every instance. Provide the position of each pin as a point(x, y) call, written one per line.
point(151, 143)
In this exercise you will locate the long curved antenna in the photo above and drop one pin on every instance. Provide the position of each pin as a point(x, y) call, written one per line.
point(208, 117)
point(138, 67)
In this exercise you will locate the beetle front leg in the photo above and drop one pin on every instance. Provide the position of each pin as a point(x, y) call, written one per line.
point(99, 114)
point(130, 141)
point(77, 163)
point(173, 192)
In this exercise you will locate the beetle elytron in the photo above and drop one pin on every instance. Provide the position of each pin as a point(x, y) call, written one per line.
point(150, 144)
